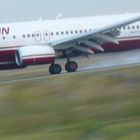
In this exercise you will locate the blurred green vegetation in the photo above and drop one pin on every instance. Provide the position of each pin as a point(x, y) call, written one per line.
point(101, 105)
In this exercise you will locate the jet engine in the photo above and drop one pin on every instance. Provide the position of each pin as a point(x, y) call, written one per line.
point(34, 55)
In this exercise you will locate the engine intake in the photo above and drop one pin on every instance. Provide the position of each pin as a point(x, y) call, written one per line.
point(34, 55)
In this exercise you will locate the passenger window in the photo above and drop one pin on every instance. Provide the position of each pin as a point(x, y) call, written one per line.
point(37, 34)
point(128, 27)
point(28, 35)
point(57, 33)
point(14, 37)
point(23, 36)
point(133, 27)
point(33, 35)
point(67, 32)
point(71, 32)
point(4, 38)
point(52, 33)
point(76, 31)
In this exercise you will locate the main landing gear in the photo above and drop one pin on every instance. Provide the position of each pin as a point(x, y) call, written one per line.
point(70, 66)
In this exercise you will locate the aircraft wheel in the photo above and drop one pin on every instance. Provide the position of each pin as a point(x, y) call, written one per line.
point(55, 69)
point(71, 66)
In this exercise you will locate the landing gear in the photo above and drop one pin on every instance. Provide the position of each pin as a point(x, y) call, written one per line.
point(55, 69)
point(71, 66)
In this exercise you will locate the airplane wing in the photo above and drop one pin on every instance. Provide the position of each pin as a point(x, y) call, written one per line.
point(95, 38)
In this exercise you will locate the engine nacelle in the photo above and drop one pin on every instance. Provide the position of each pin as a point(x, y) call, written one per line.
point(34, 55)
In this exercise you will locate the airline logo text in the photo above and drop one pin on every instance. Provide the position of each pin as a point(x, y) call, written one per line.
point(4, 30)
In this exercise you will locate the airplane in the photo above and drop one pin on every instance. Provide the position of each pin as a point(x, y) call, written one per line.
point(42, 42)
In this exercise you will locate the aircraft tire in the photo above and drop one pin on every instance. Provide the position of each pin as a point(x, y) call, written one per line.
point(71, 66)
point(55, 69)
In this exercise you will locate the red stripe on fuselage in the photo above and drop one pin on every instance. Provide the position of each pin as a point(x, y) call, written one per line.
point(8, 55)
point(123, 45)
point(38, 61)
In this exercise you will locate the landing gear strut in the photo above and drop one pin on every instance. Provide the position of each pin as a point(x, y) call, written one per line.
point(55, 69)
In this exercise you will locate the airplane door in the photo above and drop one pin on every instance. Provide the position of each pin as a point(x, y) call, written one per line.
point(38, 36)
point(46, 35)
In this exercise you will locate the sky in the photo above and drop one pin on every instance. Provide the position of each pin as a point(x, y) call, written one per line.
point(24, 10)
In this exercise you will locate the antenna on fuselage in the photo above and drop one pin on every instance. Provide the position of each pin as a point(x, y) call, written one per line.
point(59, 16)
point(127, 13)
point(40, 19)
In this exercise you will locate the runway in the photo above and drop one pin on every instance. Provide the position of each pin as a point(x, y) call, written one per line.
point(98, 62)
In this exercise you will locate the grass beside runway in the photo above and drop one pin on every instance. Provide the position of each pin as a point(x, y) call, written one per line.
point(101, 105)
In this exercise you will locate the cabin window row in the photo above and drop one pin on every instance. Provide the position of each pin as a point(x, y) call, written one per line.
point(130, 27)
point(58, 33)
point(14, 37)
point(52, 33)
point(24, 36)
point(69, 32)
